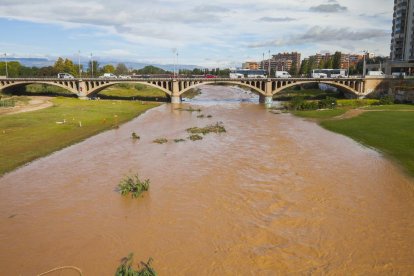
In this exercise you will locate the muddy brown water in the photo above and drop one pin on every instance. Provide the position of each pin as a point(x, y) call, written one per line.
point(275, 195)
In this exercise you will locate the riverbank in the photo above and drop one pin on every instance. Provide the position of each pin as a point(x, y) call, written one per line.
point(387, 128)
point(28, 136)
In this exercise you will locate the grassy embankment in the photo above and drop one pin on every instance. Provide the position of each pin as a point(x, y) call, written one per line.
point(388, 128)
point(27, 136)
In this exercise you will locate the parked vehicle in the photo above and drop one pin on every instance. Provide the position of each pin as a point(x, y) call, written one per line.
point(282, 74)
point(398, 74)
point(65, 76)
point(246, 73)
point(108, 76)
point(375, 73)
point(328, 73)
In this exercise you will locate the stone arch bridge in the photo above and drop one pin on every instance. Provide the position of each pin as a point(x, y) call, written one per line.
point(174, 88)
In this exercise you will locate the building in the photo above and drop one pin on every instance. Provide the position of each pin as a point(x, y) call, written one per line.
point(251, 65)
point(402, 40)
point(283, 62)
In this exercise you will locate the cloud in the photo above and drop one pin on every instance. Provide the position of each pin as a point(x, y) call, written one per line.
point(276, 19)
point(329, 8)
point(319, 34)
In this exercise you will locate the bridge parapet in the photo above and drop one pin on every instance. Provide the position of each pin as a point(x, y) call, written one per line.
point(175, 87)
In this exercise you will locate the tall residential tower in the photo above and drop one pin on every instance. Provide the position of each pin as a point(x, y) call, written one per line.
point(402, 41)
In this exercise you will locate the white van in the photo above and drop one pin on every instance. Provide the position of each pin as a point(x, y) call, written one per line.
point(65, 76)
point(108, 76)
point(282, 74)
point(375, 73)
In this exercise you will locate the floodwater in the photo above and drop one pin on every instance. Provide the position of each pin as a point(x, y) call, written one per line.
point(274, 195)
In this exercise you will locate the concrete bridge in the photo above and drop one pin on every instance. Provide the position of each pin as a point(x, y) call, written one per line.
point(174, 88)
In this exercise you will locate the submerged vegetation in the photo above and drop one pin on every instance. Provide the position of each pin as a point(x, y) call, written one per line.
point(195, 137)
point(179, 140)
point(133, 185)
point(126, 268)
point(135, 136)
point(189, 109)
point(217, 128)
point(160, 141)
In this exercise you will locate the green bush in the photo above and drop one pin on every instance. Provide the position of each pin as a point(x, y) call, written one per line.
point(133, 185)
point(387, 99)
point(126, 269)
point(124, 85)
point(327, 103)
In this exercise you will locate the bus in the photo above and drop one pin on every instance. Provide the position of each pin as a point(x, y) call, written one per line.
point(247, 73)
point(328, 73)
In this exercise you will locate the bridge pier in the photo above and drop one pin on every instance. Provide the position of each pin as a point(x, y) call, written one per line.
point(267, 100)
point(175, 99)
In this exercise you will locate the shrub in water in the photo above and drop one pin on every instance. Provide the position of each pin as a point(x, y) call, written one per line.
point(195, 137)
point(217, 128)
point(133, 185)
point(126, 269)
point(179, 140)
point(135, 136)
point(160, 141)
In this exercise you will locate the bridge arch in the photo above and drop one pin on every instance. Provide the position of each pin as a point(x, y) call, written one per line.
point(99, 88)
point(241, 83)
point(70, 86)
point(332, 83)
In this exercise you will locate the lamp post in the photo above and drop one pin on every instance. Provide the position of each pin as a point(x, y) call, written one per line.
point(91, 65)
point(79, 64)
point(364, 64)
point(349, 57)
point(269, 66)
point(5, 60)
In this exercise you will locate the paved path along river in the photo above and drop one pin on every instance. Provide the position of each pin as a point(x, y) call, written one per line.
point(274, 195)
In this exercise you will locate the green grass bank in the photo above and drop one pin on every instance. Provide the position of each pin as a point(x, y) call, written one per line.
point(388, 128)
point(27, 136)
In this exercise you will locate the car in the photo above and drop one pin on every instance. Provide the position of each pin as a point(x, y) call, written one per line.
point(65, 76)
point(108, 76)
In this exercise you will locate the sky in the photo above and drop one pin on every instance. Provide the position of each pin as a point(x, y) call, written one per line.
point(214, 33)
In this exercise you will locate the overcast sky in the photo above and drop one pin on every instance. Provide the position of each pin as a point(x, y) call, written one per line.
point(209, 33)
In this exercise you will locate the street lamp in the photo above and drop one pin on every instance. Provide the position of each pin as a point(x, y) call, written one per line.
point(269, 66)
point(5, 60)
point(79, 64)
point(91, 66)
point(349, 57)
point(364, 67)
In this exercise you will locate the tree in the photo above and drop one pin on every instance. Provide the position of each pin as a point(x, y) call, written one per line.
point(336, 63)
point(13, 68)
point(66, 66)
point(329, 63)
point(304, 67)
point(294, 69)
point(121, 69)
point(109, 68)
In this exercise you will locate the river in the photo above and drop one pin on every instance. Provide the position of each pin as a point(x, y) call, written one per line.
point(275, 194)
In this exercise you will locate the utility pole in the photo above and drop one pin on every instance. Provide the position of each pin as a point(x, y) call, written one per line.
point(263, 63)
point(5, 60)
point(364, 65)
point(79, 64)
point(269, 66)
point(349, 57)
point(91, 65)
